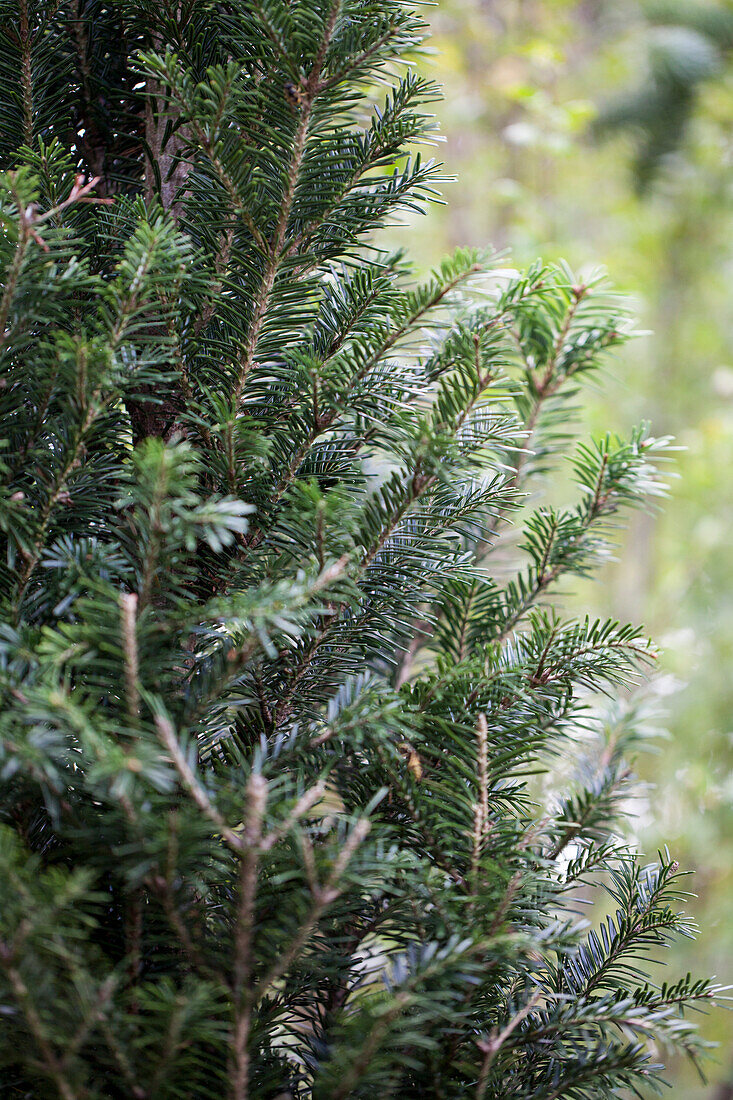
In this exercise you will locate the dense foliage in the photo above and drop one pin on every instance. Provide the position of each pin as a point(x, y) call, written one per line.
point(279, 668)
point(523, 82)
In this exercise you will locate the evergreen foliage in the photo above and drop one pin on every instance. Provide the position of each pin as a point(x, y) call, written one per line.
point(279, 662)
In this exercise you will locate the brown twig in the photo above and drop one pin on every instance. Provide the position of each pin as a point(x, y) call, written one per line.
point(257, 800)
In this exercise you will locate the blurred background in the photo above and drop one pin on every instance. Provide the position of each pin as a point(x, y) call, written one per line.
point(601, 131)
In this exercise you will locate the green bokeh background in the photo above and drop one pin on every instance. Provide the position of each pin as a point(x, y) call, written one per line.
point(523, 81)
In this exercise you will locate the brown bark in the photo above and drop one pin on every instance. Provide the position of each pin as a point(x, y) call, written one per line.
point(166, 169)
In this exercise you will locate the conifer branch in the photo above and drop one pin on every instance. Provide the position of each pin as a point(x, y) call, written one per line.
point(356, 62)
point(19, 254)
point(128, 608)
point(243, 945)
point(275, 250)
point(51, 1063)
point(491, 1046)
point(324, 895)
point(327, 418)
point(25, 39)
point(191, 784)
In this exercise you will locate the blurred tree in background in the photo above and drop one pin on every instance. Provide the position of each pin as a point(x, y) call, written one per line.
point(603, 130)
point(687, 47)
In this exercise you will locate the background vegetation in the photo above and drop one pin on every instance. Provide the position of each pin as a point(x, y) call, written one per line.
point(531, 88)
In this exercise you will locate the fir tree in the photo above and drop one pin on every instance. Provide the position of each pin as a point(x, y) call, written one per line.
point(280, 662)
